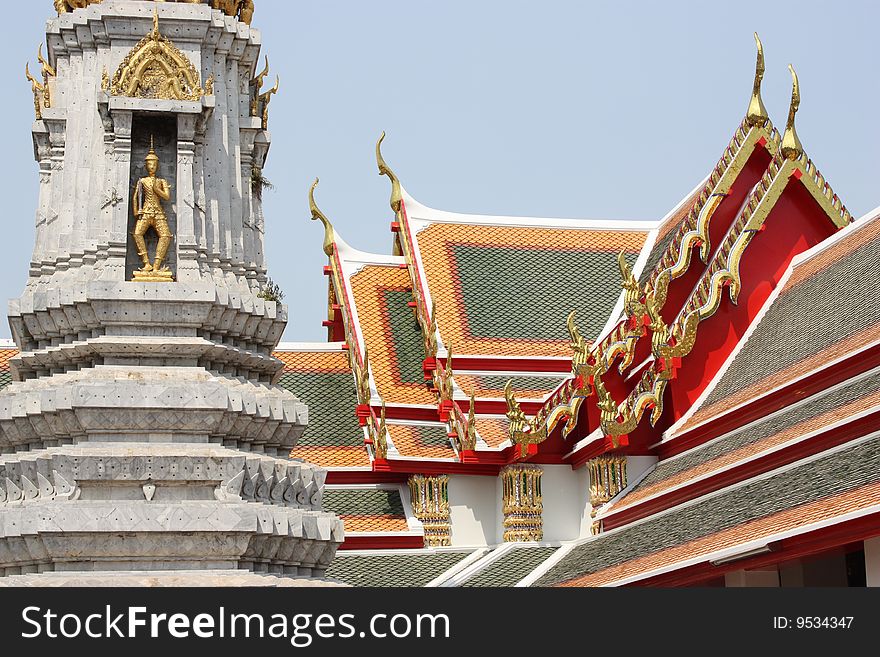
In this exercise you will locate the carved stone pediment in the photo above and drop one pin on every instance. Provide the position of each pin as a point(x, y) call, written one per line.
point(156, 69)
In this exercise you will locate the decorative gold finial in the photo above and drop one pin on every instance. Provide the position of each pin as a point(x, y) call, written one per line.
point(385, 170)
point(381, 443)
point(257, 88)
point(791, 144)
point(470, 441)
point(757, 114)
point(151, 155)
point(317, 215)
point(38, 90)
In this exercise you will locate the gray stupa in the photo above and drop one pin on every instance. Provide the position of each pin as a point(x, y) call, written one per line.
point(143, 441)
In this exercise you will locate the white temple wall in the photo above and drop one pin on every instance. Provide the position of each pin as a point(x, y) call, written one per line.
point(474, 505)
point(872, 561)
point(566, 494)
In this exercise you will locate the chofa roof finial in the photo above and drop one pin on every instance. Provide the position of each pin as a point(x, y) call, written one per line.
point(757, 114)
point(385, 170)
point(317, 215)
point(791, 144)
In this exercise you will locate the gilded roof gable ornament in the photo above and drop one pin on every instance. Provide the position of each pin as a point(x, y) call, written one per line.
point(381, 443)
point(385, 170)
point(521, 431)
point(578, 344)
point(317, 215)
point(792, 148)
point(156, 69)
point(757, 114)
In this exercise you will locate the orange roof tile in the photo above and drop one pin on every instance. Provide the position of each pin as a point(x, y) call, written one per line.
point(484, 387)
point(5, 355)
point(493, 430)
point(314, 361)
point(415, 441)
point(370, 287)
point(333, 457)
point(384, 523)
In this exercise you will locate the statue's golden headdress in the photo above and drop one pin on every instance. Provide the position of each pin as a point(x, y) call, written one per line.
point(151, 156)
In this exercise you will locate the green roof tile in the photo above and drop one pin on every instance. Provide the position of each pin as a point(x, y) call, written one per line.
point(332, 400)
point(406, 336)
point(511, 568)
point(831, 475)
point(816, 405)
point(362, 502)
point(528, 293)
point(392, 570)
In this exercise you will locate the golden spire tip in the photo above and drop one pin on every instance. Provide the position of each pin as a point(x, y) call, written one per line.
point(757, 113)
point(792, 148)
point(385, 170)
point(317, 215)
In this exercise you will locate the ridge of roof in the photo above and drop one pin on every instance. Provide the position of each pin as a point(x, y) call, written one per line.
point(418, 212)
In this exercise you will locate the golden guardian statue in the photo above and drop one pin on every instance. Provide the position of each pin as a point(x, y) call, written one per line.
point(149, 193)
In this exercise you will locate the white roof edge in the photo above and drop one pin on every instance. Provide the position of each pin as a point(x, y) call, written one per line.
point(352, 256)
point(419, 211)
point(296, 347)
point(8, 343)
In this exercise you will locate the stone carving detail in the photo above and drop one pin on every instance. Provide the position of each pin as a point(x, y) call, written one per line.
point(16, 487)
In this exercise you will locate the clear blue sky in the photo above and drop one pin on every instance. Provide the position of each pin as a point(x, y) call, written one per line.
point(554, 108)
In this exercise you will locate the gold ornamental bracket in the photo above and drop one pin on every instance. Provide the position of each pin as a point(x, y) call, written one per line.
point(155, 69)
point(522, 433)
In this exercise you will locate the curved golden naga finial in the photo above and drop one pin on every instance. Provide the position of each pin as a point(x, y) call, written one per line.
point(317, 215)
point(757, 114)
point(792, 148)
point(385, 170)
point(47, 68)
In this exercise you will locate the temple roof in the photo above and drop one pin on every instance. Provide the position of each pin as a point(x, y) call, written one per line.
point(367, 510)
point(394, 569)
point(323, 381)
point(504, 286)
point(818, 317)
point(391, 333)
point(765, 509)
